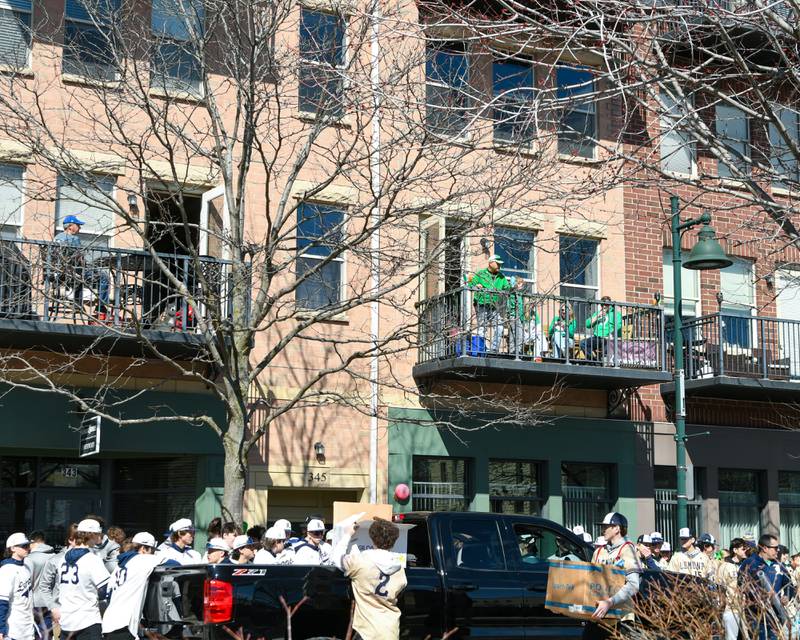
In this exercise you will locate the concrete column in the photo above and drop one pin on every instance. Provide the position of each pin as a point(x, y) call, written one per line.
point(771, 512)
point(710, 517)
point(553, 508)
point(480, 479)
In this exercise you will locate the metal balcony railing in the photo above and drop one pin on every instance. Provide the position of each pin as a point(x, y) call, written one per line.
point(124, 289)
point(472, 322)
point(723, 344)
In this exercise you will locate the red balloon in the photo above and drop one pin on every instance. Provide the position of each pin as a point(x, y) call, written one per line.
point(402, 492)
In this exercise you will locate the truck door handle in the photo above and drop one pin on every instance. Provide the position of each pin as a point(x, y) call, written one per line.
point(465, 587)
point(533, 587)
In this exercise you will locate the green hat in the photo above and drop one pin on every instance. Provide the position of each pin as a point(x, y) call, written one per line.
point(495, 258)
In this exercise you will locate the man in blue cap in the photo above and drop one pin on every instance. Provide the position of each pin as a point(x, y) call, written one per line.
point(69, 238)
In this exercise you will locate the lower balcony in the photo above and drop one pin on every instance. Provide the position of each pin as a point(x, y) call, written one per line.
point(740, 357)
point(54, 296)
point(520, 338)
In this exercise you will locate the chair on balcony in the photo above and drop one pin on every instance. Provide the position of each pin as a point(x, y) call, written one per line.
point(62, 277)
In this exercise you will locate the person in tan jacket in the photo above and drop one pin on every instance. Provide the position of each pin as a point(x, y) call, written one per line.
point(377, 579)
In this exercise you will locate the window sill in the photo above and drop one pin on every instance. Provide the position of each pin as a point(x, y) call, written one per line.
point(10, 70)
point(305, 314)
point(311, 116)
point(180, 96)
point(580, 160)
point(73, 78)
point(734, 183)
point(511, 148)
point(783, 191)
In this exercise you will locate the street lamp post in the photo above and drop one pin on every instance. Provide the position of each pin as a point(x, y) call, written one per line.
point(706, 254)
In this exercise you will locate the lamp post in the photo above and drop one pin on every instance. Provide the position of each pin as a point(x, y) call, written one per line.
point(705, 255)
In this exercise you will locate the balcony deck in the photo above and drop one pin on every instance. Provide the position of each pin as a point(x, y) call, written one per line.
point(115, 301)
point(516, 338)
point(741, 358)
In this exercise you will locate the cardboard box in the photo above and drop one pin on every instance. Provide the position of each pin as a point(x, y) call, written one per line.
point(343, 510)
point(573, 588)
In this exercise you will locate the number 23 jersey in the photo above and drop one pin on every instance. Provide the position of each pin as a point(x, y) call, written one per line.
point(377, 580)
point(81, 577)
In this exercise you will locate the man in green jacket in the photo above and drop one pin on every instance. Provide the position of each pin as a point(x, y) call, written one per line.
point(490, 301)
point(605, 324)
point(562, 330)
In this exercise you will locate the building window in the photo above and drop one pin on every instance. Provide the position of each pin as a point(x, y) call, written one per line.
point(666, 501)
point(782, 158)
point(177, 27)
point(578, 267)
point(690, 289)
point(513, 110)
point(677, 144)
point(733, 131)
point(516, 248)
point(320, 263)
point(91, 199)
point(738, 301)
point(88, 39)
point(515, 487)
point(11, 198)
point(447, 88)
point(739, 504)
point(15, 33)
point(577, 132)
point(439, 484)
point(789, 500)
point(322, 60)
point(586, 494)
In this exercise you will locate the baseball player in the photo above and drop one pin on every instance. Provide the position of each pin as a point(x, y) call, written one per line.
point(106, 549)
point(243, 550)
point(274, 550)
point(216, 551)
point(179, 546)
point(128, 587)
point(82, 583)
point(310, 550)
point(16, 591)
point(690, 559)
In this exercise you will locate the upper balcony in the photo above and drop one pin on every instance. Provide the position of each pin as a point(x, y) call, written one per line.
point(741, 357)
point(509, 337)
point(66, 298)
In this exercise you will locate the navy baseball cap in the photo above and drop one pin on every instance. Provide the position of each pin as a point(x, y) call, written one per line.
point(614, 518)
point(73, 220)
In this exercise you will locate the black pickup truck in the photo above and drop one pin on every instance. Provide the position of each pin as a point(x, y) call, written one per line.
point(482, 573)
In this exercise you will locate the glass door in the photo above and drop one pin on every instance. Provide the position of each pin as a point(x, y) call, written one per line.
point(58, 508)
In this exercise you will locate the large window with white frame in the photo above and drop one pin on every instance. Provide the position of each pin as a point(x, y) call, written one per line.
point(579, 271)
point(447, 78)
point(319, 265)
point(737, 287)
point(440, 484)
point(783, 160)
point(90, 197)
point(516, 247)
point(514, 98)
point(177, 28)
point(733, 131)
point(678, 153)
point(577, 131)
point(322, 61)
point(690, 289)
point(89, 39)
point(11, 199)
point(15, 33)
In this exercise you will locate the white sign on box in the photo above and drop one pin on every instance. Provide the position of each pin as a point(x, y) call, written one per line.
point(363, 542)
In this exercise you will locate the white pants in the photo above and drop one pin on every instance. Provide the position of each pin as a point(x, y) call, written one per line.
point(490, 326)
point(731, 622)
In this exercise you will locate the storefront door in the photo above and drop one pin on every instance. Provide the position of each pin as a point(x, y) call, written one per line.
point(57, 508)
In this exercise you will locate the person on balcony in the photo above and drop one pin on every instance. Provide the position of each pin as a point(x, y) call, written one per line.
point(524, 325)
point(490, 301)
point(606, 324)
point(70, 238)
point(562, 330)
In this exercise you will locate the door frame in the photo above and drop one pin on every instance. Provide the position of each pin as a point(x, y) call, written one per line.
point(206, 197)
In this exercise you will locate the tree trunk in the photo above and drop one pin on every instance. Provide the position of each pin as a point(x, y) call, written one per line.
point(235, 476)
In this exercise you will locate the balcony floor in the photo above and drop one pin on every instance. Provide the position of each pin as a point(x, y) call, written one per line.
point(739, 388)
point(511, 371)
point(71, 338)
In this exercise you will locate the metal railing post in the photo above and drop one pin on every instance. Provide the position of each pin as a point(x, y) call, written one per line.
point(763, 339)
point(720, 338)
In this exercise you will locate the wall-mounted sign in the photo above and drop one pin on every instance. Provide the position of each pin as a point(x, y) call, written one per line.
point(90, 436)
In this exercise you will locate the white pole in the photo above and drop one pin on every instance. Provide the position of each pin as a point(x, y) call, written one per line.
point(375, 244)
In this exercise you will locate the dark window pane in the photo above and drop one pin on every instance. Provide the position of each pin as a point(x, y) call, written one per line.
point(321, 90)
point(476, 544)
point(586, 494)
point(318, 228)
point(156, 474)
point(577, 258)
point(57, 473)
point(515, 247)
point(514, 487)
point(577, 122)
point(150, 511)
point(321, 289)
point(514, 98)
point(322, 37)
point(439, 484)
point(447, 64)
point(576, 134)
point(789, 487)
point(176, 66)
point(16, 512)
point(739, 485)
point(17, 472)
point(88, 51)
point(419, 546)
point(447, 95)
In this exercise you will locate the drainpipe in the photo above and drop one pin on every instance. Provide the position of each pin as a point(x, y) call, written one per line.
point(375, 243)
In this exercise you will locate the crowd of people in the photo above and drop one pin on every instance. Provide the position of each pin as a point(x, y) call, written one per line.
point(758, 577)
point(95, 586)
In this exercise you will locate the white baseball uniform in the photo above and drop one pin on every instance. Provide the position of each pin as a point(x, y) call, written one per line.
point(16, 600)
point(128, 586)
point(82, 579)
point(172, 551)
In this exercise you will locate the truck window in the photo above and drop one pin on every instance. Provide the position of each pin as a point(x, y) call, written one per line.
point(475, 544)
point(539, 544)
point(419, 545)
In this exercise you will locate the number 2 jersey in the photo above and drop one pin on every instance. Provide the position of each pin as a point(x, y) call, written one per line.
point(378, 579)
point(128, 586)
point(16, 600)
point(82, 581)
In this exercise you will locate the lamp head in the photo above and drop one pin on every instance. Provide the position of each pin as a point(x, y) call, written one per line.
point(707, 253)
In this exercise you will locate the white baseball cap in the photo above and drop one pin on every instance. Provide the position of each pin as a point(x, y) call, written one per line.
point(600, 542)
point(217, 544)
point(275, 532)
point(17, 540)
point(145, 539)
point(656, 537)
point(587, 537)
point(315, 525)
point(578, 530)
point(184, 524)
point(242, 541)
point(685, 532)
point(89, 526)
point(666, 547)
point(284, 524)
